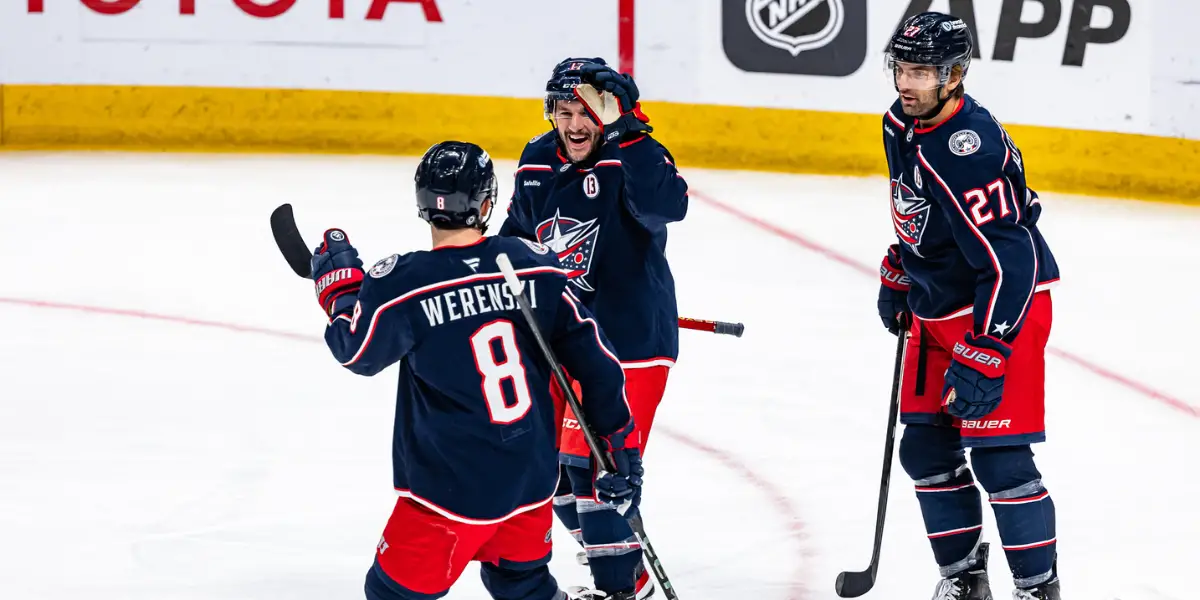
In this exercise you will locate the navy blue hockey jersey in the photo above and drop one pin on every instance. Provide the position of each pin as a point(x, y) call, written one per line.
point(607, 221)
point(966, 221)
point(476, 429)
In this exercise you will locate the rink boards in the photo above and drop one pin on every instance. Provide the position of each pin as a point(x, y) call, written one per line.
point(1099, 96)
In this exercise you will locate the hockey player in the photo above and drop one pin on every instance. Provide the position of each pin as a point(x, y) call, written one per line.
point(599, 191)
point(475, 440)
point(973, 269)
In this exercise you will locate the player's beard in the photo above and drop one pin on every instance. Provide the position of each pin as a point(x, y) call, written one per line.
point(578, 152)
point(925, 102)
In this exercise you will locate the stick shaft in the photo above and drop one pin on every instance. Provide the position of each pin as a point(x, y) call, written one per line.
point(604, 459)
point(718, 327)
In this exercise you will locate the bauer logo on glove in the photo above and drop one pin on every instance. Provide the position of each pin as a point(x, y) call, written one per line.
point(991, 365)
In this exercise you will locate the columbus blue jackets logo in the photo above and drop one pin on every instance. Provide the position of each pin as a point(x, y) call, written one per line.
point(574, 242)
point(910, 213)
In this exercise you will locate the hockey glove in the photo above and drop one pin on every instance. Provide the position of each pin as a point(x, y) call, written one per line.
point(975, 379)
point(612, 102)
point(623, 488)
point(893, 292)
point(337, 273)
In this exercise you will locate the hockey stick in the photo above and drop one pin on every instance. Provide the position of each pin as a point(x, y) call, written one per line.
point(290, 242)
point(297, 254)
point(603, 458)
point(717, 327)
point(852, 584)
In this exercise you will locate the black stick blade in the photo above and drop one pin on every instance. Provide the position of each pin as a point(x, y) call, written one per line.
point(852, 584)
point(291, 243)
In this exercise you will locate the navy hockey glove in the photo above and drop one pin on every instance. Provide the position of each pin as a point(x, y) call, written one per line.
point(893, 292)
point(975, 379)
point(612, 101)
point(337, 273)
point(623, 488)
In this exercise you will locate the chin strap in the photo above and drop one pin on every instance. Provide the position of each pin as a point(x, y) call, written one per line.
point(938, 107)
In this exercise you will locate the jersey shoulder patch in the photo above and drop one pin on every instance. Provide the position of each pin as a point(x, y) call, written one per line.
point(538, 248)
point(384, 266)
point(541, 149)
point(965, 142)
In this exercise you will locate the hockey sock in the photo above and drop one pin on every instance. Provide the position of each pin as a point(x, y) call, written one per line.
point(613, 552)
point(379, 586)
point(1023, 508)
point(509, 584)
point(950, 504)
point(564, 506)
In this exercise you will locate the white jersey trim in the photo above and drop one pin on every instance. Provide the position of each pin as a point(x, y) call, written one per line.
point(441, 284)
point(461, 519)
point(647, 364)
point(1041, 287)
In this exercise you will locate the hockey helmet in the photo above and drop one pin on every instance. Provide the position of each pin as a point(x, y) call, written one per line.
point(561, 85)
point(934, 39)
point(453, 181)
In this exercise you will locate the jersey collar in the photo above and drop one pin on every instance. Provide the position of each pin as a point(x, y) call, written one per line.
point(474, 243)
point(923, 130)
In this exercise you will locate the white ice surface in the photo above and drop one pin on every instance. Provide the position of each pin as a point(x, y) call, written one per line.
point(148, 459)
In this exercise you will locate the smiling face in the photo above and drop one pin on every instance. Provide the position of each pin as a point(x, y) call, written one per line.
point(918, 87)
point(579, 134)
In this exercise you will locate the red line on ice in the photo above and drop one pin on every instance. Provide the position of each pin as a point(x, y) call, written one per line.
point(796, 590)
point(138, 314)
point(831, 254)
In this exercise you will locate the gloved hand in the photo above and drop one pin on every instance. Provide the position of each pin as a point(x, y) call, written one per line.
point(337, 273)
point(623, 488)
point(893, 292)
point(612, 101)
point(975, 379)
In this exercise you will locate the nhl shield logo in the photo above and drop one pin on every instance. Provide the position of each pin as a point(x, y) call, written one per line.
point(910, 213)
point(574, 242)
point(796, 25)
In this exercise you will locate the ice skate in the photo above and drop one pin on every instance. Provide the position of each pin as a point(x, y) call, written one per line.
point(971, 584)
point(644, 588)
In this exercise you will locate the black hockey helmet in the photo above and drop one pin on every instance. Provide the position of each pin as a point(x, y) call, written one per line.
point(453, 181)
point(934, 39)
point(561, 86)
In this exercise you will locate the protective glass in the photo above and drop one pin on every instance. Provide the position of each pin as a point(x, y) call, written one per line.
point(572, 113)
point(913, 76)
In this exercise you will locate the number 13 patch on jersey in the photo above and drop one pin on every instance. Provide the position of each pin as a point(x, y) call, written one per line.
point(591, 186)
